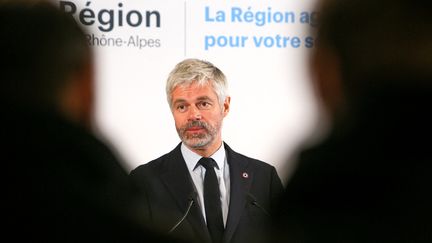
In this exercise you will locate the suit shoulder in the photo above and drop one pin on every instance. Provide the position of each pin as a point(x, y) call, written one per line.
point(255, 161)
point(251, 161)
point(151, 165)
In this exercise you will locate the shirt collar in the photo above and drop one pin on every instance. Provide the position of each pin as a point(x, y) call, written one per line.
point(191, 158)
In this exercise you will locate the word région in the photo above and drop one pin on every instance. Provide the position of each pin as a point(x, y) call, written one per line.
point(108, 19)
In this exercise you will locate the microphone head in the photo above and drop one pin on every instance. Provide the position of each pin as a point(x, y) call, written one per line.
point(251, 198)
point(192, 196)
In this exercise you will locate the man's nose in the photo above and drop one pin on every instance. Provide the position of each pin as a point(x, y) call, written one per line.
point(194, 113)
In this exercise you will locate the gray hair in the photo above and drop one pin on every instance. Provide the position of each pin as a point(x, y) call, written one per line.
point(200, 72)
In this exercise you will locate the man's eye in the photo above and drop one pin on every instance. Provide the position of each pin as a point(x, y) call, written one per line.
point(204, 105)
point(181, 108)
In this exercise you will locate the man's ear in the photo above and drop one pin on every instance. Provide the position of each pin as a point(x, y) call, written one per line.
point(77, 98)
point(226, 105)
point(327, 79)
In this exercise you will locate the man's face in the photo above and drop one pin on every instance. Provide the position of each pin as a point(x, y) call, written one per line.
point(198, 115)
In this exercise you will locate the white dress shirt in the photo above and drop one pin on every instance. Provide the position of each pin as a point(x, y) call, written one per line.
point(198, 172)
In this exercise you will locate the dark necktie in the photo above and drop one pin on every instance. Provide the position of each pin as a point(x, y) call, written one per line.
point(212, 202)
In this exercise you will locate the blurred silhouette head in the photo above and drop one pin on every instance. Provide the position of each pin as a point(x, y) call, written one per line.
point(45, 60)
point(360, 40)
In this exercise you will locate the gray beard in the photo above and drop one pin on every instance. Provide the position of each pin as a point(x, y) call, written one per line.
point(197, 141)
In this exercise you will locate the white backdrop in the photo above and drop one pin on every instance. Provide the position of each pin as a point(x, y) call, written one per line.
point(138, 42)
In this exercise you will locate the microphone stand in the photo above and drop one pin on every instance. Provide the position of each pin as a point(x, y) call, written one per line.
point(191, 202)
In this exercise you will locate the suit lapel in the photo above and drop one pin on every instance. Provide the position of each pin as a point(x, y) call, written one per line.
point(179, 183)
point(241, 178)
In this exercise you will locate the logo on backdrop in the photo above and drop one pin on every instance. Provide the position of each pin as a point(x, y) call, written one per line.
point(107, 20)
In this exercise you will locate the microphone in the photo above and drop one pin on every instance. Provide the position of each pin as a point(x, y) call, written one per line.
point(254, 202)
point(191, 202)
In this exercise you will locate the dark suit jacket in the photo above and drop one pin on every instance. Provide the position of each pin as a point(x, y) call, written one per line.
point(167, 185)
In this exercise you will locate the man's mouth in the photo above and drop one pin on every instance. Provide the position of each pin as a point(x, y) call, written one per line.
point(194, 129)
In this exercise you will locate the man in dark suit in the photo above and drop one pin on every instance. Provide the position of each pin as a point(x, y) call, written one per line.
point(60, 183)
point(175, 184)
point(370, 179)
